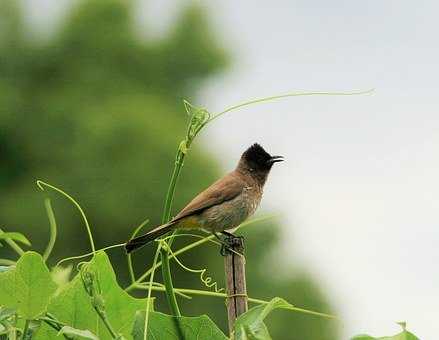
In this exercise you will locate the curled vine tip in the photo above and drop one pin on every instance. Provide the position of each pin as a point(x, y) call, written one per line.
point(199, 117)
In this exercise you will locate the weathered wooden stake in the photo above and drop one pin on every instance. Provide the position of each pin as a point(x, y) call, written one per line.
point(234, 267)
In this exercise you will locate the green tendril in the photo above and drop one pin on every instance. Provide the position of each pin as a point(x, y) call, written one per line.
point(294, 94)
point(206, 280)
point(198, 292)
point(42, 184)
point(89, 254)
point(189, 235)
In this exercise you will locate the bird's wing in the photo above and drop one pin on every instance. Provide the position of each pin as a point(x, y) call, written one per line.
point(225, 189)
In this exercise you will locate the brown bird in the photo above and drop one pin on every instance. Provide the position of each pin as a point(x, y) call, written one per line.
point(225, 204)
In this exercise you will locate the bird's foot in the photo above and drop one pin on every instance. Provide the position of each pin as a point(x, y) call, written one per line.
point(225, 246)
point(231, 243)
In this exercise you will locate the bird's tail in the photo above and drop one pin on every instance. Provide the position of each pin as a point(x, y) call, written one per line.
point(150, 236)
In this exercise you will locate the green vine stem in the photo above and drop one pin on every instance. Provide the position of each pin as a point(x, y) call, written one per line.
point(7, 262)
point(106, 322)
point(166, 270)
point(223, 295)
point(13, 244)
point(198, 117)
point(167, 280)
point(42, 184)
point(53, 229)
point(179, 161)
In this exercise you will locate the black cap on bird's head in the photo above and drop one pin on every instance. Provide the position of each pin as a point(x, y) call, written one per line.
point(258, 161)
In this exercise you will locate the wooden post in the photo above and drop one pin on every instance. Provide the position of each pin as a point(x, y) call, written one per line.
point(234, 267)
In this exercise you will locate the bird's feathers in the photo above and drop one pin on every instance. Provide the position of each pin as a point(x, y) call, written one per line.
point(225, 189)
point(151, 235)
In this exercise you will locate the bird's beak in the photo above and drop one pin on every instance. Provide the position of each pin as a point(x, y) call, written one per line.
point(275, 159)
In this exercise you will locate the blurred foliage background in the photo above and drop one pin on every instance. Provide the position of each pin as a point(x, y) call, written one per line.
point(98, 112)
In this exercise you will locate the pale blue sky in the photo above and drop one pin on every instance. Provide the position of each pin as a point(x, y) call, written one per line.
point(358, 192)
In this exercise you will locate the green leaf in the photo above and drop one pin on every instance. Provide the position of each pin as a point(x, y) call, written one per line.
point(67, 330)
point(162, 326)
point(72, 305)
point(253, 333)
point(28, 287)
point(250, 325)
point(404, 335)
point(15, 236)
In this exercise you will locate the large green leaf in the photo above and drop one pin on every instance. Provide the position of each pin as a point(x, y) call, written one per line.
point(404, 335)
point(72, 305)
point(162, 326)
point(28, 287)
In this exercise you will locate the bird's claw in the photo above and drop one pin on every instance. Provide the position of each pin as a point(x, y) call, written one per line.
point(229, 243)
point(224, 250)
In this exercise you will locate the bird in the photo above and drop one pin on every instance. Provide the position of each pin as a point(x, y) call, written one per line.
point(224, 205)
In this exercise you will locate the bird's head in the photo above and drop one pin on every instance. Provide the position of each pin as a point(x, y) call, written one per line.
point(257, 162)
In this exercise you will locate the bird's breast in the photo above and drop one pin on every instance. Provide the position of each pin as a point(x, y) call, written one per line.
point(251, 198)
point(230, 214)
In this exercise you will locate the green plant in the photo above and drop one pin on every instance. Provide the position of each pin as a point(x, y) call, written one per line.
point(92, 305)
point(93, 88)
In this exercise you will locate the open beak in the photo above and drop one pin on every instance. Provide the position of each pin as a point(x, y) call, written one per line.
point(275, 159)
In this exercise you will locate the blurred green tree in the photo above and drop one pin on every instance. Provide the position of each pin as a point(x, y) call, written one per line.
point(97, 111)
